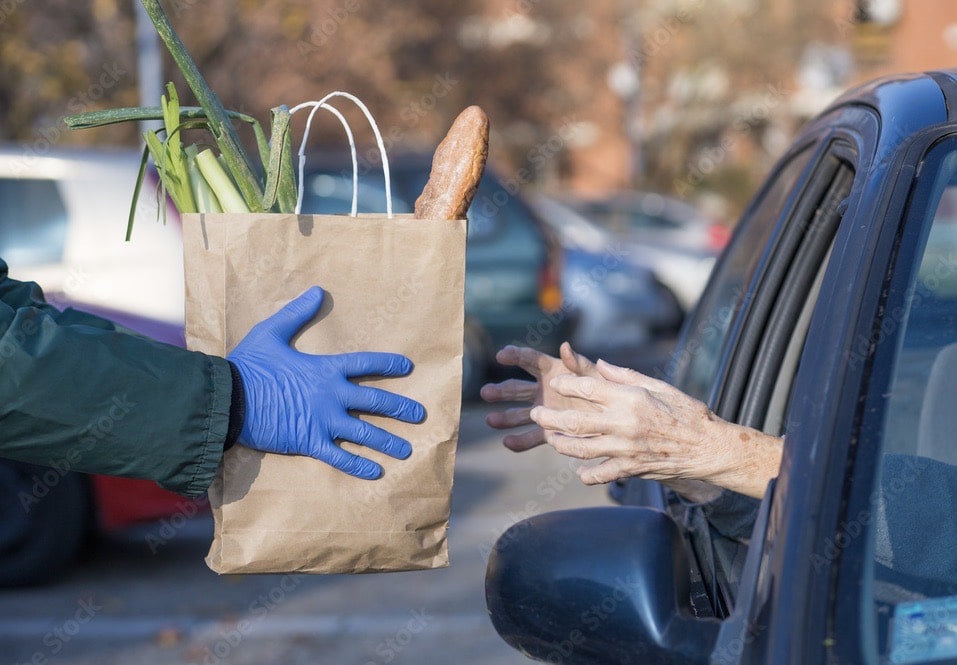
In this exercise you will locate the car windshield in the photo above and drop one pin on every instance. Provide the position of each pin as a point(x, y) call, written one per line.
point(914, 578)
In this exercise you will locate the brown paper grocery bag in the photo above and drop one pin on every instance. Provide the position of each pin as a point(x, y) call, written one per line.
point(391, 285)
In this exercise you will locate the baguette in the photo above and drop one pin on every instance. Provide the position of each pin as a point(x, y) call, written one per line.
point(457, 167)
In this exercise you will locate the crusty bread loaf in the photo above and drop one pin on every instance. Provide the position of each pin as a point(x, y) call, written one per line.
point(457, 167)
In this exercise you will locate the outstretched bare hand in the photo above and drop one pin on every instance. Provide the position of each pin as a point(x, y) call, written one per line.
point(538, 392)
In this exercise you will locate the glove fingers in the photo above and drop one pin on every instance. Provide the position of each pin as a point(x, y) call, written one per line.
point(296, 313)
point(385, 403)
point(376, 438)
point(373, 363)
point(346, 462)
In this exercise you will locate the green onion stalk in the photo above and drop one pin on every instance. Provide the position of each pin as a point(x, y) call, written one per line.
point(197, 180)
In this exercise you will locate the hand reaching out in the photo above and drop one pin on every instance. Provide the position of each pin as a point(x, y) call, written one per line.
point(640, 426)
point(543, 368)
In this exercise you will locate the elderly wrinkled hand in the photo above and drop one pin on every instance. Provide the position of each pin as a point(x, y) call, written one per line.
point(543, 368)
point(639, 426)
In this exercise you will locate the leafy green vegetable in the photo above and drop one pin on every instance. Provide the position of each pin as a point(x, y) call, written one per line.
point(196, 180)
point(227, 139)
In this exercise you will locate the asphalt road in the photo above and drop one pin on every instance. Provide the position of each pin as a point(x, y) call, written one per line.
point(145, 596)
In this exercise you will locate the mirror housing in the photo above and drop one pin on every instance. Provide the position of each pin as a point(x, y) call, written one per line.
point(596, 585)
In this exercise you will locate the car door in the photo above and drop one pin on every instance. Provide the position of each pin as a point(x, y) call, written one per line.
point(744, 342)
point(891, 561)
point(793, 608)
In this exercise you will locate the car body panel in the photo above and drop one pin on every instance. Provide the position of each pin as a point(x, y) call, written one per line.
point(93, 265)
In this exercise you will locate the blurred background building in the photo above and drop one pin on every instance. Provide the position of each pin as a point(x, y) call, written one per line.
point(688, 97)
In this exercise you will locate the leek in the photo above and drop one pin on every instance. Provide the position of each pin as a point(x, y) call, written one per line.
point(240, 166)
point(197, 180)
point(203, 194)
point(229, 197)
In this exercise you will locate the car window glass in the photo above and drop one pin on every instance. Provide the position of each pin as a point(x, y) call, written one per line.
point(695, 361)
point(33, 222)
point(503, 224)
point(912, 528)
point(787, 292)
point(767, 352)
point(331, 194)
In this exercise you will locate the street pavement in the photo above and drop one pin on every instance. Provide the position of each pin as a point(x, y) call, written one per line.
point(145, 596)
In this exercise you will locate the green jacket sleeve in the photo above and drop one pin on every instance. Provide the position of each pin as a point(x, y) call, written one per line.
point(80, 393)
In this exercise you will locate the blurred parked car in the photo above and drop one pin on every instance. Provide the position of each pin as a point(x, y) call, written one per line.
point(513, 262)
point(62, 217)
point(676, 239)
point(621, 307)
point(657, 219)
point(831, 316)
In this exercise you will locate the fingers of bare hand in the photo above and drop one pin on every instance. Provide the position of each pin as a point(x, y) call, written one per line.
point(606, 472)
point(576, 362)
point(509, 418)
point(532, 361)
point(574, 446)
point(510, 390)
point(570, 421)
point(630, 377)
point(524, 441)
point(584, 387)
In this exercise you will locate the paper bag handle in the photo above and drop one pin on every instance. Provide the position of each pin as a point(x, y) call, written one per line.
point(321, 104)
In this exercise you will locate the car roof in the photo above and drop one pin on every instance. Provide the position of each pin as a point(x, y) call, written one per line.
point(906, 99)
point(39, 160)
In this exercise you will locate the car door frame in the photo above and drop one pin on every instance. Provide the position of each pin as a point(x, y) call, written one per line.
point(783, 614)
point(848, 573)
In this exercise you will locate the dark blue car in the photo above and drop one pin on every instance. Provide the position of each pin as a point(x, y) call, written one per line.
point(831, 318)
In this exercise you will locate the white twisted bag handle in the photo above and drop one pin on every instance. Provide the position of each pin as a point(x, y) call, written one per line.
point(322, 104)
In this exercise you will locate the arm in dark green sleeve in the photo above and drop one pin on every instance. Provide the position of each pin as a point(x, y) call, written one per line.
point(81, 394)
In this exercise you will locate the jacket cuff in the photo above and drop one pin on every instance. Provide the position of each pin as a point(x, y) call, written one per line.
point(237, 408)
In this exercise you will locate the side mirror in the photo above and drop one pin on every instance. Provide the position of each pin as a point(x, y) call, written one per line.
point(596, 585)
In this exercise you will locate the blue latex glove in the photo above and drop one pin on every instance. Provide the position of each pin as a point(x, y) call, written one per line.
point(298, 403)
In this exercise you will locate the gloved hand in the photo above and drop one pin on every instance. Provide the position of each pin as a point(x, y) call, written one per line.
point(298, 403)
